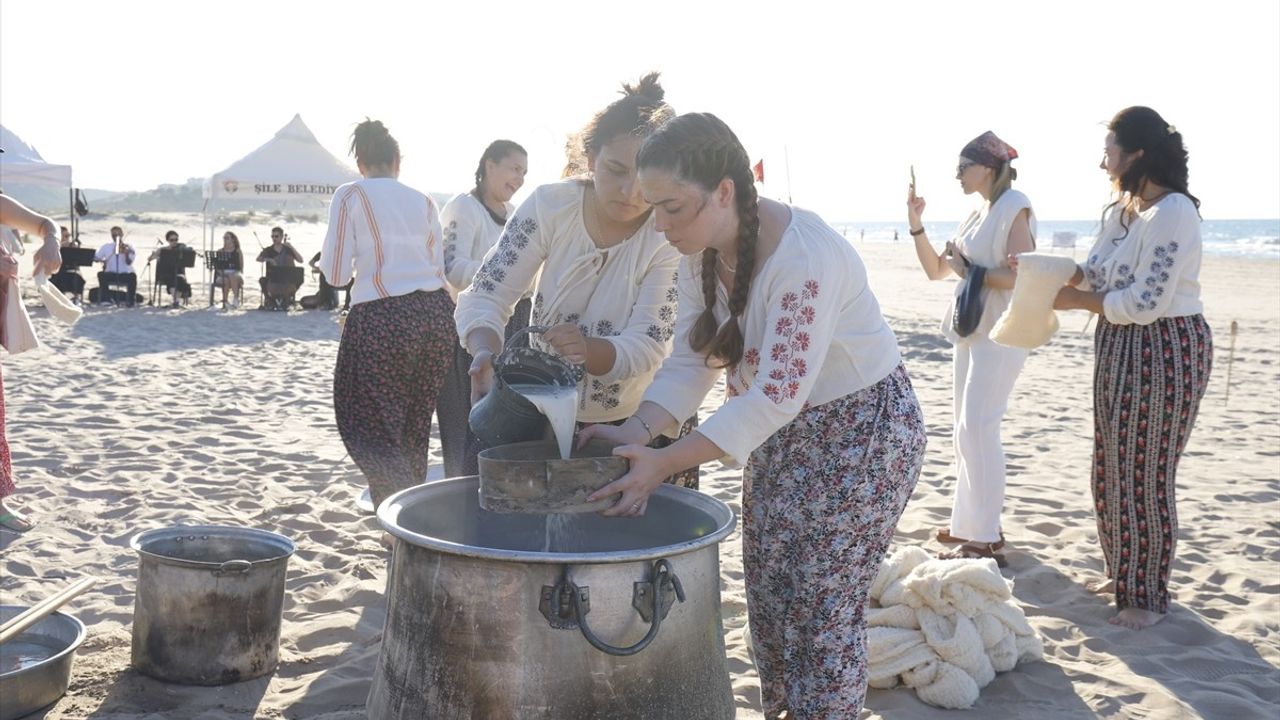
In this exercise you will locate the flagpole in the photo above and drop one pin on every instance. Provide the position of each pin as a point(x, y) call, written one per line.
point(786, 158)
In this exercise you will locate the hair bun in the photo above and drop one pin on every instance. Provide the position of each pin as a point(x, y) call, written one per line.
point(648, 88)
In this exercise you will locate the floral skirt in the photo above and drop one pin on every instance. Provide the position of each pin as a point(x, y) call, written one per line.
point(821, 500)
point(394, 355)
point(6, 469)
point(1147, 384)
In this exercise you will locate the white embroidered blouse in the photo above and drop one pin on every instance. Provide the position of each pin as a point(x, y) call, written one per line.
point(469, 232)
point(1154, 271)
point(624, 294)
point(812, 333)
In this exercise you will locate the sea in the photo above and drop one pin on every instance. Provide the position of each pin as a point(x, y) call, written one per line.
point(1257, 239)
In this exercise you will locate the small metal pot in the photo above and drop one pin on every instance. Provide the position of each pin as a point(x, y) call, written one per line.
point(504, 416)
point(27, 689)
point(209, 603)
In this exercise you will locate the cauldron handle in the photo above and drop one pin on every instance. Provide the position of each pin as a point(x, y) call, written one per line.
point(661, 569)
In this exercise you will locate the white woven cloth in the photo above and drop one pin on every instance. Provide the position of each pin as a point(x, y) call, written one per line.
point(944, 627)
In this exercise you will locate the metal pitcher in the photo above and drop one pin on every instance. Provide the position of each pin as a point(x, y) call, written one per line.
point(504, 416)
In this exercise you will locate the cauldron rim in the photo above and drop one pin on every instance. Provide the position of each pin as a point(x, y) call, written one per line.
point(389, 513)
point(144, 541)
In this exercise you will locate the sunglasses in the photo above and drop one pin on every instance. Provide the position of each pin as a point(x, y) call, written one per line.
point(964, 166)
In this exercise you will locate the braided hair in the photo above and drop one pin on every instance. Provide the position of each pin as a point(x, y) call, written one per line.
point(1163, 160)
point(373, 145)
point(700, 148)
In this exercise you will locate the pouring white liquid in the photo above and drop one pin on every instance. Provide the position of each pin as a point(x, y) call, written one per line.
point(560, 405)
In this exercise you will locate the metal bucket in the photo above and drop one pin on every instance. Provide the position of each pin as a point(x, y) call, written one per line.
point(493, 615)
point(209, 603)
point(532, 478)
point(504, 416)
point(35, 667)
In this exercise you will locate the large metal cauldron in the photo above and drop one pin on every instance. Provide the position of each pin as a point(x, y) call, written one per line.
point(35, 667)
point(520, 616)
point(209, 603)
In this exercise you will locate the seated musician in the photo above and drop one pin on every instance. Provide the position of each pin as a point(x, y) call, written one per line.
point(232, 278)
point(278, 294)
point(117, 259)
point(327, 297)
point(68, 278)
point(176, 280)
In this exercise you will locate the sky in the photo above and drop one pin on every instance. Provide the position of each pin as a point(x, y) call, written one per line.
point(838, 101)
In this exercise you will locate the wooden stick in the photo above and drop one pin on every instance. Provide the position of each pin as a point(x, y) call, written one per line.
point(1231, 356)
point(36, 613)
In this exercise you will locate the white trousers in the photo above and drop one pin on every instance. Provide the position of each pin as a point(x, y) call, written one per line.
point(984, 373)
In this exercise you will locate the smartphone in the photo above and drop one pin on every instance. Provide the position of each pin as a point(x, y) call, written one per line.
point(913, 178)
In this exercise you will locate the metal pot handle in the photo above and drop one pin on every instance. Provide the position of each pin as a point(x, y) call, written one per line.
point(527, 330)
point(233, 567)
point(658, 578)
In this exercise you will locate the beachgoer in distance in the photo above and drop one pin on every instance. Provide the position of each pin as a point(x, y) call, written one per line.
point(983, 372)
point(605, 277)
point(819, 409)
point(473, 223)
point(1153, 355)
point(47, 260)
point(117, 259)
point(398, 339)
point(232, 278)
point(281, 254)
point(177, 281)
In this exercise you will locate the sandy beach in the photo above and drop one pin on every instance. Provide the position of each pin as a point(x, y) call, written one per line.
point(147, 418)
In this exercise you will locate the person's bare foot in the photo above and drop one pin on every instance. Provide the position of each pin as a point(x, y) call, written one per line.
point(1099, 587)
point(13, 520)
point(1136, 618)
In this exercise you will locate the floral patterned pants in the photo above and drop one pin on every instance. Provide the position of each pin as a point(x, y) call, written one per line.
point(460, 446)
point(821, 500)
point(1147, 384)
point(394, 355)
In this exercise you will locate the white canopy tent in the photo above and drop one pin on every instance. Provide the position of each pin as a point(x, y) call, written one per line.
point(21, 164)
point(292, 165)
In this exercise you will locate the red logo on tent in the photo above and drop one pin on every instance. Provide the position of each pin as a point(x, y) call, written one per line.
point(230, 186)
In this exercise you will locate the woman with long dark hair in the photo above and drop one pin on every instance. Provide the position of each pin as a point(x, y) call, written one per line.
point(983, 372)
point(603, 276)
point(473, 223)
point(819, 409)
point(397, 343)
point(1153, 352)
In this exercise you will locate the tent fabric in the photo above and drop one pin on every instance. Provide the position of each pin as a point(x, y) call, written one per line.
point(293, 164)
point(21, 164)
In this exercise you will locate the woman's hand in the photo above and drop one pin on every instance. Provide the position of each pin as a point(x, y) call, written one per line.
point(955, 259)
point(567, 340)
point(481, 372)
point(915, 209)
point(48, 258)
point(648, 470)
point(630, 432)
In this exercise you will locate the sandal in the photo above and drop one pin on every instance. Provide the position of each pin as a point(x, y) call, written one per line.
point(976, 551)
point(943, 535)
point(11, 520)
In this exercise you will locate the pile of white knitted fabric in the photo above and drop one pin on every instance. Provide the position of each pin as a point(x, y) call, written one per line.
point(944, 627)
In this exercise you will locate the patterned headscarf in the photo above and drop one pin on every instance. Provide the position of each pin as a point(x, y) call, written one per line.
point(989, 150)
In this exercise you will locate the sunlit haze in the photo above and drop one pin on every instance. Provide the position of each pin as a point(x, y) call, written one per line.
point(844, 96)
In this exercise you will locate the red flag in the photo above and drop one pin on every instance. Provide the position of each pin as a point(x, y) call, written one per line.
point(758, 170)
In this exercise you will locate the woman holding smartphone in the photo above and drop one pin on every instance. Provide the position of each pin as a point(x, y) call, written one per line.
point(983, 371)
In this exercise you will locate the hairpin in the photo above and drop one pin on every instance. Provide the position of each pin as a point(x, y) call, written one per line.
point(1172, 129)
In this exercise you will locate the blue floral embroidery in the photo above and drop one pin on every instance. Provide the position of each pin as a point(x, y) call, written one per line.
point(450, 244)
point(514, 239)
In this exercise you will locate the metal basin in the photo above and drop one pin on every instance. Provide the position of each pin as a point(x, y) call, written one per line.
point(35, 667)
point(541, 617)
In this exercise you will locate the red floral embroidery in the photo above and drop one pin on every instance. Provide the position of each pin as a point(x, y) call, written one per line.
point(786, 377)
point(751, 360)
